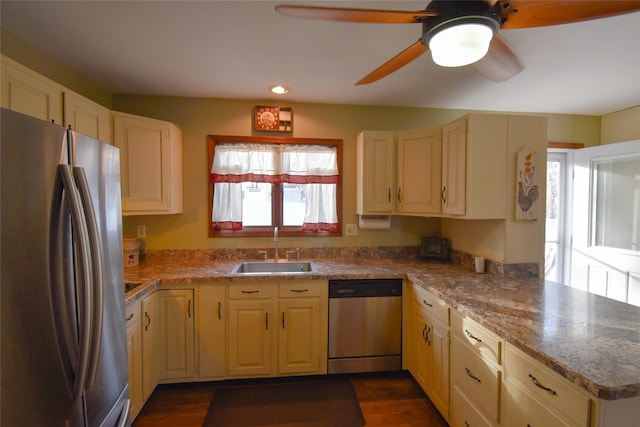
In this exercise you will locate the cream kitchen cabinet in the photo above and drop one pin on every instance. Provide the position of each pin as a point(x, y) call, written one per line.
point(398, 172)
point(250, 329)
point(150, 345)
point(134, 356)
point(150, 164)
point(429, 359)
point(476, 373)
point(418, 171)
point(30, 93)
point(211, 325)
point(536, 396)
point(375, 173)
point(87, 117)
point(302, 327)
point(177, 359)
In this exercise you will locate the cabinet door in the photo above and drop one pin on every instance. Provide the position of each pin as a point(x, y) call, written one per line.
point(376, 172)
point(419, 171)
point(299, 336)
point(30, 93)
point(454, 164)
point(150, 345)
point(134, 355)
point(421, 354)
point(211, 331)
point(176, 314)
point(150, 165)
point(249, 337)
point(87, 117)
point(438, 386)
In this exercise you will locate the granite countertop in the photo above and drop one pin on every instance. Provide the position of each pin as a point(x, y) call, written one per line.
point(592, 341)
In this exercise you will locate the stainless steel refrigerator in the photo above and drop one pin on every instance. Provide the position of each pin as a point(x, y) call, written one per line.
point(63, 345)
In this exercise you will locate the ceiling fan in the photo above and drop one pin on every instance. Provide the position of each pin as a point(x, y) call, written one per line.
point(466, 32)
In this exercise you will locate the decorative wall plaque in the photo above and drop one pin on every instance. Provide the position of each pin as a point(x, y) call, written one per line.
point(273, 119)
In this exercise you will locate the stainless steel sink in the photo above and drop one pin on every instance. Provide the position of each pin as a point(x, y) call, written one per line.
point(272, 267)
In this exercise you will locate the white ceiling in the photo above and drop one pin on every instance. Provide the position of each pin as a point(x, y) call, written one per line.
point(236, 49)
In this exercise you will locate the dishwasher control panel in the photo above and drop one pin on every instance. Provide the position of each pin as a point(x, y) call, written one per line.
point(352, 288)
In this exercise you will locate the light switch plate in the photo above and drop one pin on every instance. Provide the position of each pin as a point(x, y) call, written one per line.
point(141, 231)
point(352, 230)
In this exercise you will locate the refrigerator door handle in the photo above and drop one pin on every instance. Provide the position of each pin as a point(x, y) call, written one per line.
point(96, 265)
point(84, 276)
point(123, 421)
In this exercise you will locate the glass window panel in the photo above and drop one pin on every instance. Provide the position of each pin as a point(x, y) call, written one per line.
point(256, 204)
point(616, 203)
point(293, 202)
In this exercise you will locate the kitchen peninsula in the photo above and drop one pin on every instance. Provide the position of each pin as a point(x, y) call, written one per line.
point(591, 341)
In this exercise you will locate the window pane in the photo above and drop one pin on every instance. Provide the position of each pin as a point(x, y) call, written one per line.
point(616, 206)
point(552, 225)
point(293, 204)
point(256, 204)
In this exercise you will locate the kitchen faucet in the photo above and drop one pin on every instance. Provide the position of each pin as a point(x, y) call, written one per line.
point(275, 239)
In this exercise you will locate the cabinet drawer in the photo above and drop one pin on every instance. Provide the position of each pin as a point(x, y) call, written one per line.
point(546, 386)
point(522, 410)
point(310, 288)
point(132, 312)
point(433, 306)
point(464, 413)
point(483, 342)
point(249, 291)
point(478, 378)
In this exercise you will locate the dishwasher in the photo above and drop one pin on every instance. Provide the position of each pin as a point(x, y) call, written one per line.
point(365, 325)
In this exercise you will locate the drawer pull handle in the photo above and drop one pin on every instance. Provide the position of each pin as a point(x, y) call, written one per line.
point(466, 424)
point(424, 301)
point(220, 310)
point(535, 382)
point(146, 315)
point(470, 335)
point(250, 292)
point(129, 317)
point(425, 334)
point(266, 321)
point(299, 290)
point(470, 374)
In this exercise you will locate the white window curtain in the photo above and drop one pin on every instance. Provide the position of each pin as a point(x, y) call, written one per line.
point(316, 166)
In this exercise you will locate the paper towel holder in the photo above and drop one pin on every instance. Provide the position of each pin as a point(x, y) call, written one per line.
point(374, 222)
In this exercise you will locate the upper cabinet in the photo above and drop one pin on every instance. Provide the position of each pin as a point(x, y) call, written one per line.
point(150, 164)
point(460, 170)
point(375, 175)
point(87, 117)
point(391, 174)
point(29, 93)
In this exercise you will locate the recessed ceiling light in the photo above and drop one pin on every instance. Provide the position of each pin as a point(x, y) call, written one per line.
point(279, 89)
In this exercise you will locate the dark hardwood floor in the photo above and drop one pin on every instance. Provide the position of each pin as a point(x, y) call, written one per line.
point(386, 399)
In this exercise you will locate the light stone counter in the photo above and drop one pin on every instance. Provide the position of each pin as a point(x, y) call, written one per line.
point(592, 341)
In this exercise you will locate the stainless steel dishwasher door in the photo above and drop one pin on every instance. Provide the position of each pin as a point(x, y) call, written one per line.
point(365, 334)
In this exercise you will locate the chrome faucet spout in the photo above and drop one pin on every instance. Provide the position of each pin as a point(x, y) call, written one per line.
point(275, 239)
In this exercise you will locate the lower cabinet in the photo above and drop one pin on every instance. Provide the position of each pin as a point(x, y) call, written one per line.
point(210, 314)
point(283, 322)
point(476, 373)
point(536, 396)
point(250, 326)
point(177, 359)
point(134, 356)
point(150, 345)
point(429, 361)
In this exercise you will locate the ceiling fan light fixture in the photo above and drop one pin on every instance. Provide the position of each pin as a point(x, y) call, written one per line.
point(460, 44)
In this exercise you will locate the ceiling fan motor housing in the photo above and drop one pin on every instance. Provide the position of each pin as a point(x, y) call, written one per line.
point(453, 13)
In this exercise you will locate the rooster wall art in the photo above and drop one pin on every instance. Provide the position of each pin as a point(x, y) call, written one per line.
point(528, 190)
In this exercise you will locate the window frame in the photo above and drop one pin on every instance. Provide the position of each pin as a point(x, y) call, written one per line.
point(276, 206)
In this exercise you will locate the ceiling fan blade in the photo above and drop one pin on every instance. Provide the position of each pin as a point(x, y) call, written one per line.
point(395, 63)
point(354, 15)
point(500, 63)
point(527, 14)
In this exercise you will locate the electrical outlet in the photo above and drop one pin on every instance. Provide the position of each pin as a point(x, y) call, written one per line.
point(142, 231)
point(352, 230)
